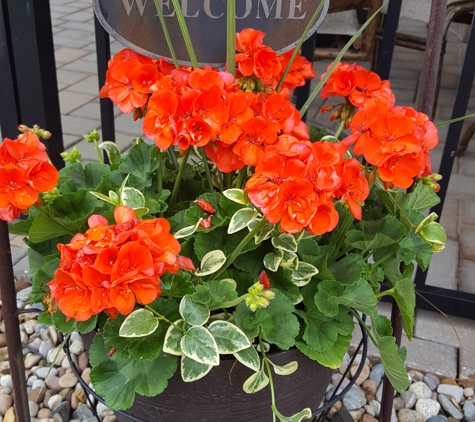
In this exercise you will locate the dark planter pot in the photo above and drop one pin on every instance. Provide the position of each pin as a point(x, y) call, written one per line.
point(219, 395)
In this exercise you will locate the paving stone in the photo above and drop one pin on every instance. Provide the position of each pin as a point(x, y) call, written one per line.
point(467, 245)
point(21, 270)
point(125, 124)
point(84, 26)
point(61, 41)
point(89, 85)
point(79, 126)
point(70, 77)
point(450, 217)
point(17, 253)
point(81, 66)
point(70, 101)
point(467, 282)
point(70, 140)
point(462, 186)
point(67, 55)
point(79, 16)
point(444, 266)
point(91, 110)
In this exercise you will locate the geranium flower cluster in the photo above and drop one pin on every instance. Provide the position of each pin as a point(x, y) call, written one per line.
point(111, 267)
point(24, 172)
point(208, 108)
point(256, 59)
point(297, 182)
point(397, 140)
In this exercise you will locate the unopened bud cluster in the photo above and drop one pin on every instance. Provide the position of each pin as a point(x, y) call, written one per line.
point(72, 157)
point(258, 297)
point(41, 133)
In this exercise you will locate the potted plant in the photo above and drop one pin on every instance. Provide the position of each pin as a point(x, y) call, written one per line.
point(241, 243)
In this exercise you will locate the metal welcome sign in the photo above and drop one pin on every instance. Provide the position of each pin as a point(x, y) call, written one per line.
point(135, 24)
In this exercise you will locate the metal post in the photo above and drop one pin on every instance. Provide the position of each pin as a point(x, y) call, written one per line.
point(9, 103)
point(33, 54)
point(426, 100)
point(389, 38)
point(455, 130)
point(15, 355)
point(103, 52)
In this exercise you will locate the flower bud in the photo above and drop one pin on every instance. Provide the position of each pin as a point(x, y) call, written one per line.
point(23, 128)
point(92, 137)
point(50, 196)
point(327, 108)
point(72, 157)
point(432, 233)
point(432, 180)
point(257, 297)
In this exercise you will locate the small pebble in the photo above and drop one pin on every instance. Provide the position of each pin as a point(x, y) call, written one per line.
point(363, 375)
point(369, 418)
point(34, 407)
point(468, 392)
point(420, 390)
point(44, 413)
point(449, 407)
point(469, 410)
point(377, 373)
point(451, 390)
point(46, 371)
point(398, 404)
point(6, 402)
point(31, 360)
point(76, 347)
point(6, 381)
point(370, 386)
point(416, 376)
point(407, 415)
point(68, 381)
point(428, 407)
point(438, 418)
point(431, 381)
point(409, 399)
point(54, 401)
point(354, 399)
point(449, 381)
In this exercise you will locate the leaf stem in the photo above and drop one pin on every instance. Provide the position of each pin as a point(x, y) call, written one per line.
point(176, 186)
point(240, 247)
point(229, 304)
point(229, 180)
point(204, 158)
point(271, 381)
point(45, 214)
point(160, 316)
point(185, 33)
point(337, 240)
point(458, 119)
point(240, 177)
point(355, 314)
point(399, 208)
point(159, 175)
point(171, 154)
point(299, 45)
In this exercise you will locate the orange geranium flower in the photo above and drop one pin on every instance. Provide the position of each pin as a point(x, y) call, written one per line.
point(14, 188)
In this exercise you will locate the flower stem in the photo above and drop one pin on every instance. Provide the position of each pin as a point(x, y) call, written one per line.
point(185, 33)
point(171, 154)
point(339, 235)
point(240, 177)
point(299, 45)
point(231, 37)
point(269, 374)
point(98, 150)
point(229, 304)
point(176, 186)
point(166, 33)
point(160, 316)
point(159, 175)
point(229, 180)
point(398, 207)
point(340, 128)
point(206, 166)
point(239, 248)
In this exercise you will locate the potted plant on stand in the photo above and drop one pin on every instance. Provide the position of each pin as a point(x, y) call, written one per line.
point(241, 245)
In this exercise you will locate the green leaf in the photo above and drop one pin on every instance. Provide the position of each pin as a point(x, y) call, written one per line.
point(171, 343)
point(118, 381)
point(21, 227)
point(241, 219)
point(348, 269)
point(131, 197)
point(264, 233)
point(237, 195)
point(421, 198)
point(287, 369)
point(193, 313)
point(139, 323)
point(43, 228)
point(249, 357)
point(393, 363)
point(282, 280)
point(140, 348)
point(315, 134)
point(191, 370)
point(298, 417)
point(229, 338)
point(139, 164)
point(414, 247)
point(285, 242)
point(60, 322)
point(198, 344)
point(176, 285)
point(215, 292)
point(304, 272)
point(112, 150)
point(272, 260)
point(186, 231)
point(255, 382)
point(211, 262)
point(331, 358)
point(321, 332)
point(278, 323)
point(405, 296)
point(220, 239)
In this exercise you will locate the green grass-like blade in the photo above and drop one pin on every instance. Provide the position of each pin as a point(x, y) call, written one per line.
point(166, 33)
point(338, 58)
point(458, 119)
point(231, 37)
point(299, 45)
point(185, 33)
